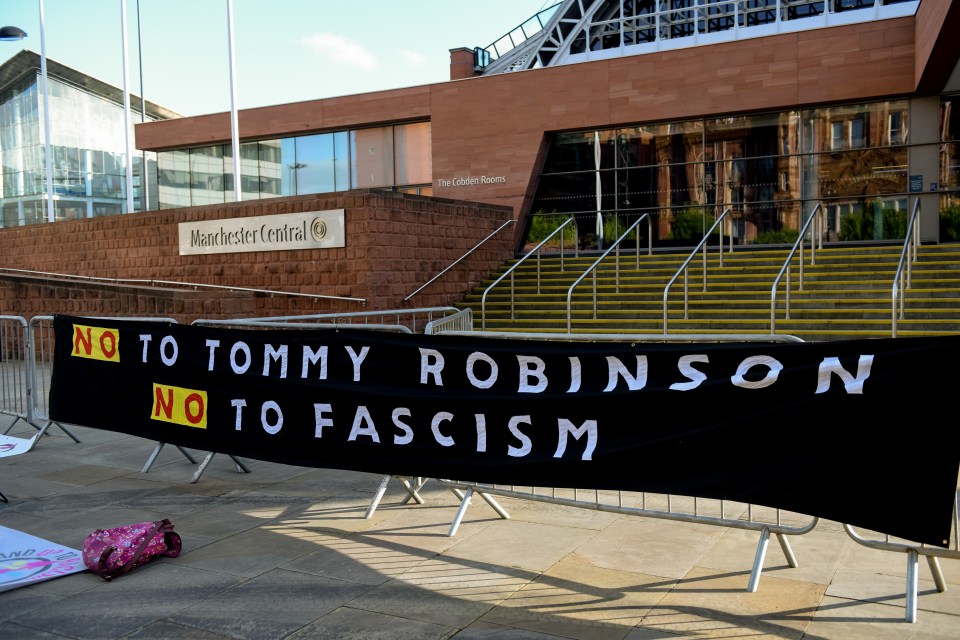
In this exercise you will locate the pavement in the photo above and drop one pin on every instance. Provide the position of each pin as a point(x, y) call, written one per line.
point(286, 552)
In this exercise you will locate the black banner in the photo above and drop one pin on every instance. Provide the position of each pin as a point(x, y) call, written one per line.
point(841, 430)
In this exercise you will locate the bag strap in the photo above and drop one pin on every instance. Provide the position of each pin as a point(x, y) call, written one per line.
point(147, 538)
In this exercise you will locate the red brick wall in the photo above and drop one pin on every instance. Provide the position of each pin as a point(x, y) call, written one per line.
point(395, 243)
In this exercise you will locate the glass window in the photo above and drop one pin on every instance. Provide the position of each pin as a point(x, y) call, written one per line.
point(173, 176)
point(857, 139)
point(314, 170)
point(769, 168)
point(269, 167)
point(836, 135)
point(371, 155)
point(752, 136)
point(856, 125)
point(861, 172)
point(717, 15)
point(794, 9)
point(570, 152)
point(413, 154)
point(566, 193)
point(895, 128)
point(249, 171)
point(640, 21)
point(342, 163)
point(756, 12)
point(288, 162)
point(679, 21)
point(206, 175)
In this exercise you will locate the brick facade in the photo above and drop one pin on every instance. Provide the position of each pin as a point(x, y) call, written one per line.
point(395, 243)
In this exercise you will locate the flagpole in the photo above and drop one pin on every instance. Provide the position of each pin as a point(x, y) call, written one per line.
point(126, 106)
point(234, 136)
point(48, 156)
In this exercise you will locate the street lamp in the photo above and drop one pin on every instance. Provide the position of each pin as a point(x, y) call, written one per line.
point(9, 34)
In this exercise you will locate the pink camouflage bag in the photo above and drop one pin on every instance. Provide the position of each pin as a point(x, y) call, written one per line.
point(110, 553)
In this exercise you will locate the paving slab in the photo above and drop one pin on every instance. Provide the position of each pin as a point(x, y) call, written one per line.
point(286, 602)
point(716, 604)
point(358, 560)
point(584, 602)
point(486, 631)
point(818, 553)
point(877, 587)
point(527, 545)
point(445, 593)
point(117, 608)
point(354, 624)
point(650, 547)
point(865, 620)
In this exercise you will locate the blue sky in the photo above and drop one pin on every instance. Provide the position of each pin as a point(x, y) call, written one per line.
point(286, 50)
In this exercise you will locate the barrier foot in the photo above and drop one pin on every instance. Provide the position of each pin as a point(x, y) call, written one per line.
point(377, 497)
point(413, 490)
point(202, 467)
point(240, 466)
point(457, 493)
point(495, 505)
point(13, 424)
point(462, 511)
point(43, 429)
point(934, 563)
point(3, 498)
point(153, 457)
point(787, 551)
point(67, 431)
point(156, 452)
point(758, 560)
point(913, 563)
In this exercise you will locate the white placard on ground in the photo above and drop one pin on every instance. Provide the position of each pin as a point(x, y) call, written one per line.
point(27, 559)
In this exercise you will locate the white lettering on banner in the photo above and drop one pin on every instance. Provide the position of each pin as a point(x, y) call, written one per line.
point(483, 370)
point(363, 425)
point(851, 384)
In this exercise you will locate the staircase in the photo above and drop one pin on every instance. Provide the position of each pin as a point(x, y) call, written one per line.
point(847, 293)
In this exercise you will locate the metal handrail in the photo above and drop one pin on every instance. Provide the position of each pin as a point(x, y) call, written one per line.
point(686, 263)
point(454, 263)
point(911, 244)
point(593, 268)
point(817, 216)
point(509, 272)
point(192, 285)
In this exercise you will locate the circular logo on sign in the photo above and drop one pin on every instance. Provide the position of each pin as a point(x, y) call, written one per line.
point(318, 229)
point(16, 569)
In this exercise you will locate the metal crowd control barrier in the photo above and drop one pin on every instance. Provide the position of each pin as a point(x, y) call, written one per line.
point(14, 377)
point(721, 513)
point(914, 550)
point(415, 319)
point(24, 374)
point(460, 321)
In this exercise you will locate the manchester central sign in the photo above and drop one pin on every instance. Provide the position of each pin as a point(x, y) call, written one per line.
point(308, 230)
